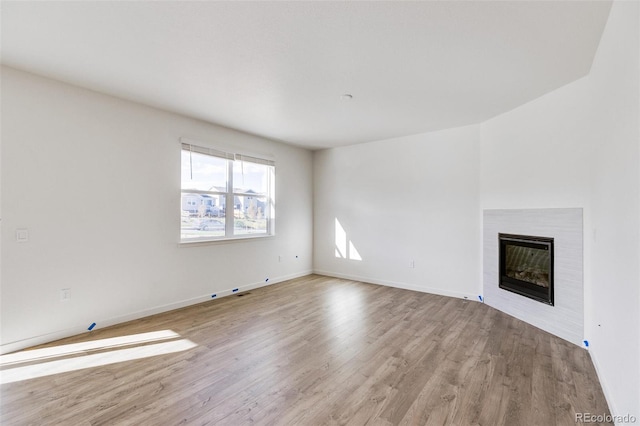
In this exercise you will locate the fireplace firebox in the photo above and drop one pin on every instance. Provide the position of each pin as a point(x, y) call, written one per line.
point(526, 266)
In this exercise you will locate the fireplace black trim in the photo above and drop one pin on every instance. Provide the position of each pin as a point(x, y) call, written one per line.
point(523, 288)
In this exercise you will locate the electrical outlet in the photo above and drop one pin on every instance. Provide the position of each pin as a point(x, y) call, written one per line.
point(65, 294)
point(412, 264)
point(280, 258)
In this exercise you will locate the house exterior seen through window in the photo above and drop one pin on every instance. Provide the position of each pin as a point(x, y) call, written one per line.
point(225, 195)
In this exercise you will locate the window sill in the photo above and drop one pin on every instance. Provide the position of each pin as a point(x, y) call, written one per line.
point(202, 242)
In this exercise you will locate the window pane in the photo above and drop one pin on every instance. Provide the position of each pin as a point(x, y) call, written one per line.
point(203, 205)
point(250, 214)
point(202, 215)
point(193, 227)
point(250, 177)
point(203, 172)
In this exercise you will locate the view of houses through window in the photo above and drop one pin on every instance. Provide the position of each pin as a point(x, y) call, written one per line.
point(224, 195)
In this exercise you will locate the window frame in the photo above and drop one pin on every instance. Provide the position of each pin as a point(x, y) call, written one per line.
point(230, 194)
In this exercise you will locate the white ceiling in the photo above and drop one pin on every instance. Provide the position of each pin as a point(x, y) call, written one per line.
point(278, 69)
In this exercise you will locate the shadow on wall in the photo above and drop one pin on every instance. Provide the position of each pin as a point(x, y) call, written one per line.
point(344, 247)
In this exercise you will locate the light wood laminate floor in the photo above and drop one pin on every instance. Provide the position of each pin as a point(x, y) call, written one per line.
point(311, 351)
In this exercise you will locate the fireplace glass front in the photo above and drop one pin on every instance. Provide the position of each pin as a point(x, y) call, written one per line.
point(526, 266)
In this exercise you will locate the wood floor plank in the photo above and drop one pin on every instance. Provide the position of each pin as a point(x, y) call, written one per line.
point(319, 350)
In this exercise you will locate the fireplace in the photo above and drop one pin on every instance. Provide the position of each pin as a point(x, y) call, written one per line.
point(526, 266)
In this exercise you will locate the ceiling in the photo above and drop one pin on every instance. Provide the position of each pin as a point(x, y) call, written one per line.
point(278, 69)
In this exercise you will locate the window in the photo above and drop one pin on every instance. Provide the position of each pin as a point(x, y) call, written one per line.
point(225, 195)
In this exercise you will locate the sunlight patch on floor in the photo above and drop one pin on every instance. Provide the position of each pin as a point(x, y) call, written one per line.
point(82, 359)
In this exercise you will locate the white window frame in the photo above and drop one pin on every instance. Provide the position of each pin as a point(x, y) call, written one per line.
point(230, 193)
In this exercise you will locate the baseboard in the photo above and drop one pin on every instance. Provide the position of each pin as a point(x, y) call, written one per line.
point(106, 322)
point(603, 382)
point(404, 286)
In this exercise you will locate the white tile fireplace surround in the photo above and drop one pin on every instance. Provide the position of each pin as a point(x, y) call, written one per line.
point(566, 318)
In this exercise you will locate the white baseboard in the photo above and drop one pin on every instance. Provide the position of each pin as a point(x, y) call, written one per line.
point(603, 382)
point(106, 322)
point(404, 286)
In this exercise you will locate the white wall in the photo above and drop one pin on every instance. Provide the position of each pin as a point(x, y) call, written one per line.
point(401, 200)
point(579, 147)
point(540, 154)
point(96, 181)
point(615, 306)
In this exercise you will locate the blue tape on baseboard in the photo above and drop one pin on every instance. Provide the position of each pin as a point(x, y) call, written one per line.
point(213, 295)
point(91, 326)
point(481, 299)
point(267, 280)
point(586, 343)
point(235, 290)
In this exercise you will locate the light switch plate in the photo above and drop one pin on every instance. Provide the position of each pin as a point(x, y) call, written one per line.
point(22, 235)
